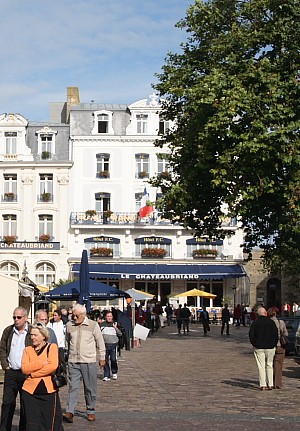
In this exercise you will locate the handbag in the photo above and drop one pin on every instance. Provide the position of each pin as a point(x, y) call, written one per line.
point(59, 378)
point(283, 340)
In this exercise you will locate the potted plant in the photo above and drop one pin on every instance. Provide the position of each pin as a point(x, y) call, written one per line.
point(44, 237)
point(204, 252)
point(9, 239)
point(103, 174)
point(9, 196)
point(46, 155)
point(165, 175)
point(89, 214)
point(101, 252)
point(143, 174)
point(46, 196)
point(154, 252)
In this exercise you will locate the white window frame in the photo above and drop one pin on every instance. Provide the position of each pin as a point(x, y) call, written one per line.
point(98, 114)
point(45, 224)
point(11, 141)
point(9, 225)
point(142, 123)
point(44, 274)
point(10, 268)
point(46, 131)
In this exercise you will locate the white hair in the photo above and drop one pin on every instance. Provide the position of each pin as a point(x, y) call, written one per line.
point(80, 307)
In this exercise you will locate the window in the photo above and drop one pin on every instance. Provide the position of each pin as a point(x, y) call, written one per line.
point(142, 123)
point(142, 166)
point(46, 225)
point(44, 274)
point(138, 200)
point(163, 165)
point(10, 187)
point(102, 201)
point(9, 225)
point(11, 142)
point(46, 142)
point(103, 166)
point(9, 268)
point(46, 188)
point(102, 122)
point(164, 125)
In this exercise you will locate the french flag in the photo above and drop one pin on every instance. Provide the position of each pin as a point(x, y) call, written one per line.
point(145, 209)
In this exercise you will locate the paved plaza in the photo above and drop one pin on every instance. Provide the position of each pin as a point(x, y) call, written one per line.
point(176, 382)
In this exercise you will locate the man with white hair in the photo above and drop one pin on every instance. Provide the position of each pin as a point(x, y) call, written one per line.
point(263, 336)
point(41, 316)
point(84, 342)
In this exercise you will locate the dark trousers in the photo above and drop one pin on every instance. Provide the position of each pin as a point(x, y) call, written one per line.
point(13, 382)
point(43, 412)
point(185, 325)
point(206, 327)
point(227, 327)
point(179, 324)
point(111, 363)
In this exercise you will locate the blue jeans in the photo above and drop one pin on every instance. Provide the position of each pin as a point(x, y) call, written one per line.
point(111, 363)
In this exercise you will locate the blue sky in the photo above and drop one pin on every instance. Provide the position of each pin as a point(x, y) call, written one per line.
point(110, 49)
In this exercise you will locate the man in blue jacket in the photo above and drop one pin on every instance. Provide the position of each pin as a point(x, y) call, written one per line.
point(263, 336)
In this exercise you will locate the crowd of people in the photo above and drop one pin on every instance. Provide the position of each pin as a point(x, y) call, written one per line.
point(31, 353)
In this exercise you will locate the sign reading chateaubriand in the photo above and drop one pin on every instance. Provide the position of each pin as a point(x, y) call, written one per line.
point(24, 245)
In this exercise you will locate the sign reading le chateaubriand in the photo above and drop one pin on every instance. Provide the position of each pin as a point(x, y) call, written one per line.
point(20, 245)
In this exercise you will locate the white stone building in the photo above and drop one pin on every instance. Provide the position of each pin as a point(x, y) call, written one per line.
point(113, 153)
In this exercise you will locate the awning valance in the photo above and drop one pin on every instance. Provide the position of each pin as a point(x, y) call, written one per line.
point(151, 271)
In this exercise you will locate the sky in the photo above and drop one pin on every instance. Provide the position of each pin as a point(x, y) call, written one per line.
point(110, 49)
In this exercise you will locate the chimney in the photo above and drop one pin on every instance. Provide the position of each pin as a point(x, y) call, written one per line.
point(72, 99)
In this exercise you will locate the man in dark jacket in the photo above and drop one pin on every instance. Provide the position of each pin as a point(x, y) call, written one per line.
point(13, 342)
point(185, 315)
point(225, 319)
point(263, 336)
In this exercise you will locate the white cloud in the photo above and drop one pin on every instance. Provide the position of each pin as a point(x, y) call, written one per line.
point(110, 48)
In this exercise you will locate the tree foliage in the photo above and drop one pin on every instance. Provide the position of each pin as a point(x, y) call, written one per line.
point(233, 91)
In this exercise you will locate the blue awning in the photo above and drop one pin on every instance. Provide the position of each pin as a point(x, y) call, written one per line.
point(151, 271)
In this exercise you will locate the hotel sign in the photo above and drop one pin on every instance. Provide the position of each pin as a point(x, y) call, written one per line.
point(24, 245)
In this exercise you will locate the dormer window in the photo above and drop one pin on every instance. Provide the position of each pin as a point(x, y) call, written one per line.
point(46, 143)
point(102, 123)
point(142, 123)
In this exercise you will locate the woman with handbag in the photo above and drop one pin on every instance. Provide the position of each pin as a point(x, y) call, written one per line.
point(280, 349)
point(40, 397)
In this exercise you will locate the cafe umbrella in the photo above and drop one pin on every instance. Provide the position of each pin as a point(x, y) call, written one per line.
point(196, 293)
point(84, 282)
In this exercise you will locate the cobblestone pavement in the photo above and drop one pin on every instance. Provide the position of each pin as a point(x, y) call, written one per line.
point(173, 381)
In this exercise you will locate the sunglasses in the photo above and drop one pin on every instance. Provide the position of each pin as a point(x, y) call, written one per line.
point(18, 317)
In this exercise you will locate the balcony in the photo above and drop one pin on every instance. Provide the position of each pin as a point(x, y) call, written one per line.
point(9, 197)
point(45, 197)
point(127, 218)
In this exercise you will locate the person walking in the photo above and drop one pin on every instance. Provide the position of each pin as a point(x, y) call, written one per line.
point(41, 316)
point(204, 317)
point(169, 313)
point(57, 325)
point(225, 319)
point(263, 336)
point(111, 334)
point(280, 350)
point(13, 342)
point(178, 318)
point(185, 317)
point(84, 341)
point(237, 316)
point(40, 399)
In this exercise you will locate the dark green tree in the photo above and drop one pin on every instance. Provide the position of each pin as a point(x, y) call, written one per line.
point(233, 91)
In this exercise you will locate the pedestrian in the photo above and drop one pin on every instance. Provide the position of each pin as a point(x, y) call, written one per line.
point(237, 315)
point(178, 318)
point(41, 316)
point(13, 342)
point(111, 334)
point(286, 308)
point(225, 319)
point(204, 317)
point(280, 350)
point(169, 313)
point(185, 317)
point(263, 336)
point(84, 341)
point(40, 399)
point(244, 313)
point(57, 325)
